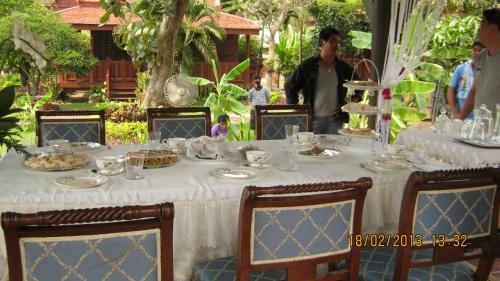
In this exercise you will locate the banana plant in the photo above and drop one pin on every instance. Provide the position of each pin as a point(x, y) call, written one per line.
point(9, 129)
point(224, 96)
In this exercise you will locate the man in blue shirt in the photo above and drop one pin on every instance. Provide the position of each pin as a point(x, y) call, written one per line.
point(462, 80)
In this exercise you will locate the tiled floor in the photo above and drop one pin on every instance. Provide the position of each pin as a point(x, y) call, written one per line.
point(495, 271)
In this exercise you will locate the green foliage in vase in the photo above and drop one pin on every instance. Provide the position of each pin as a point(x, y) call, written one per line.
point(9, 129)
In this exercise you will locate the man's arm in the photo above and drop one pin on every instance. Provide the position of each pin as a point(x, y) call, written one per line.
point(452, 89)
point(452, 101)
point(293, 85)
point(250, 95)
point(469, 103)
point(268, 96)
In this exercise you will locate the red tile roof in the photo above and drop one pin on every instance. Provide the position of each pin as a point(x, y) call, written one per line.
point(88, 13)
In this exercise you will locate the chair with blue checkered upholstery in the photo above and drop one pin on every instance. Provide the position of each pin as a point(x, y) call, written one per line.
point(447, 217)
point(271, 120)
point(74, 125)
point(285, 232)
point(180, 122)
point(114, 243)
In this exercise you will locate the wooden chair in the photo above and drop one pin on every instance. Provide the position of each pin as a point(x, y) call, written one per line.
point(286, 231)
point(181, 122)
point(441, 212)
point(270, 120)
point(117, 243)
point(75, 126)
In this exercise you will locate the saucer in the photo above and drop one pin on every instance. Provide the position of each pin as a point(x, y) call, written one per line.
point(256, 165)
point(111, 172)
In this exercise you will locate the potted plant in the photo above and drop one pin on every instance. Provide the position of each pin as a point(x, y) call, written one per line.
point(9, 129)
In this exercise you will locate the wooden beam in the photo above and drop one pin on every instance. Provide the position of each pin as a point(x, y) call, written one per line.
point(248, 45)
point(380, 31)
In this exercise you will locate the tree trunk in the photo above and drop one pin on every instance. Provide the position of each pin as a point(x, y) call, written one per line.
point(164, 66)
point(301, 39)
point(261, 51)
point(270, 58)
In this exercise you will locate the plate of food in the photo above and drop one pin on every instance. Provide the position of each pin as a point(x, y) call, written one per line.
point(83, 146)
point(357, 132)
point(363, 85)
point(158, 158)
point(360, 108)
point(57, 162)
point(323, 153)
point(81, 180)
point(235, 173)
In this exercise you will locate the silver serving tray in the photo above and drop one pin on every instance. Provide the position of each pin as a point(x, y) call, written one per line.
point(479, 143)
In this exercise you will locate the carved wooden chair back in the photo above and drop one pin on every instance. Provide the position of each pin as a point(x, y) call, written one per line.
point(297, 227)
point(181, 122)
point(116, 243)
point(271, 120)
point(75, 126)
point(446, 217)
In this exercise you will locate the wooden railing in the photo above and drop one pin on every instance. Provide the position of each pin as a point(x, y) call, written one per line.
point(117, 71)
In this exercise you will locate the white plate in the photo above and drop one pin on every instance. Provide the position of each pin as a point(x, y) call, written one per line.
point(81, 180)
point(345, 133)
point(111, 172)
point(235, 173)
point(366, 112)
point(389, 165)
point(85, 146)
point(358, 85)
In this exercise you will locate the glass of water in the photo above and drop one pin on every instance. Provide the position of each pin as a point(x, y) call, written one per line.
point(134, 165)
point(288, 159)
point(291, 132)
point(154, 139)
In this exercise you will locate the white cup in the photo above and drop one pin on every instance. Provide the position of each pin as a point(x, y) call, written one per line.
point(257, 157)
point(306, 136)
point(176, 144)
point(107, 163)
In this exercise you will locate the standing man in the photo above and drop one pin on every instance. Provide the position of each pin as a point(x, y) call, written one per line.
point(321, 79)
point(462, 80)
point(258, 95)
point(485, 89)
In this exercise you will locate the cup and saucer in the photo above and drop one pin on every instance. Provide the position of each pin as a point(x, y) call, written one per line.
point(108, 166)
point(258, 159)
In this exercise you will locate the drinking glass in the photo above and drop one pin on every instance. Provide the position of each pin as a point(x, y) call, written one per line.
point(288, 159)
point(134, 164)
point(291, 132)
point(154, 139)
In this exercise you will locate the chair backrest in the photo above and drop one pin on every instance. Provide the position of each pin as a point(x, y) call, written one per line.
point(297, 227)
point(454, 213)
point(181, 122)
point(116, 243)
point(271, 120)
point(75, 126)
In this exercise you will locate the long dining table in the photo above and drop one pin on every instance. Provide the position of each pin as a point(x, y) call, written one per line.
point(206, 207)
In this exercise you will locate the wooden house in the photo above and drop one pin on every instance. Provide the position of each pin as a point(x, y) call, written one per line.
point(115, 67)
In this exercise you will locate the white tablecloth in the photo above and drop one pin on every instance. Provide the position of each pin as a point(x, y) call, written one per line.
point(206, 207)
point(449, 150)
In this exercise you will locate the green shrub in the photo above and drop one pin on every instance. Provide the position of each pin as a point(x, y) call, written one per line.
point(275, 97)
point(125, 132)
point(124, 112)
point(342, 16)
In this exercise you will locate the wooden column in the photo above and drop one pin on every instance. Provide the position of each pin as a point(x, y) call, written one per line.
point(108, 80)
point(248, 45)
point(381, 20)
